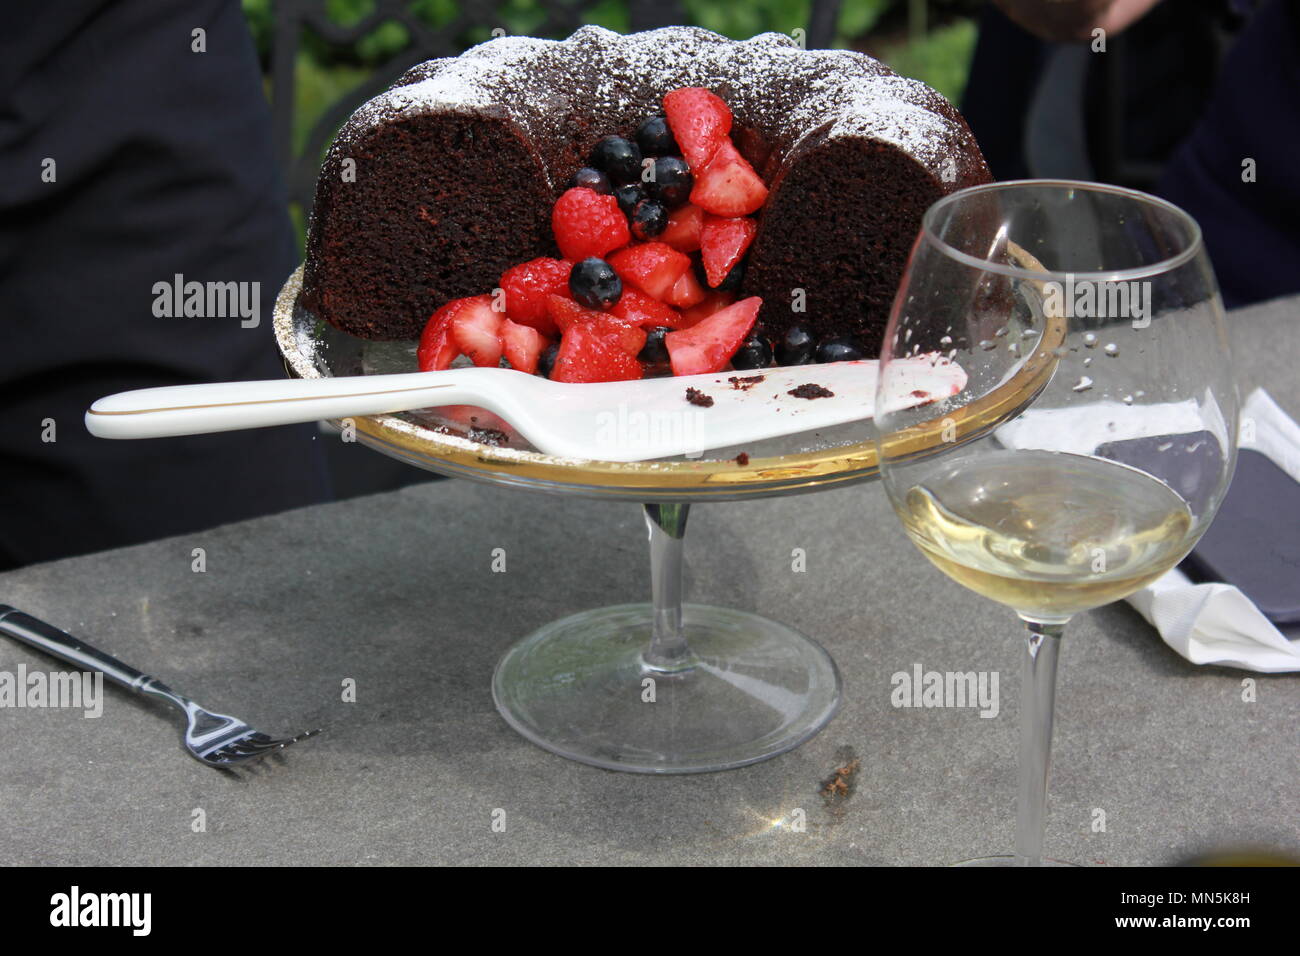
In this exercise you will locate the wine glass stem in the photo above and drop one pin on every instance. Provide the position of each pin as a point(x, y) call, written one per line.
point(1038, 701)
point(668, 650)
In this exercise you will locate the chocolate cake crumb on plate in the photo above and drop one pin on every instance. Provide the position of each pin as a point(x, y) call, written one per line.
point(745, 383)
point(489, 436)
point(696, 397)
point(810, 390)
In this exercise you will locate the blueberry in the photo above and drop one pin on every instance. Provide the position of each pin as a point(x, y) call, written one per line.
point(754, 352)
point(839, 349)
point(546, 361)
point(796, 347)
point(732, 280)
point(655, 138)
point(628, 196)
point(648, 219)
point(592, 179)
point(595, 284)
point(672, 181)
point(618, 159)
point(654, 352)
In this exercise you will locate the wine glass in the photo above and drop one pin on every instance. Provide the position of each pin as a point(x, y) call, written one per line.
point(1103, 480)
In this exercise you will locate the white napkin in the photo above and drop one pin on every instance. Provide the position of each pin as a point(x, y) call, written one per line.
point(1216, 623)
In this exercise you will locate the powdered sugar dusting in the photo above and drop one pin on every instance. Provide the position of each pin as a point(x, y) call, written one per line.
point(769, 81)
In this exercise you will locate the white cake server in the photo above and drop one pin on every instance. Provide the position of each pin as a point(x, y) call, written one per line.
point(607, 421)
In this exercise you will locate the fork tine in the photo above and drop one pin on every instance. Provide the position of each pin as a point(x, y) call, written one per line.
point(250, 746)
point(258, 744)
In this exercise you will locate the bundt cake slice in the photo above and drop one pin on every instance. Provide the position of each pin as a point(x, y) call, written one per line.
point(436, 187)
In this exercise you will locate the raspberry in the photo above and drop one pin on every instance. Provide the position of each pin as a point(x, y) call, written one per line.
point(588, 224)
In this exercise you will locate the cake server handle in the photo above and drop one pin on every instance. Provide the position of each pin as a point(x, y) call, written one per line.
point(229, 406)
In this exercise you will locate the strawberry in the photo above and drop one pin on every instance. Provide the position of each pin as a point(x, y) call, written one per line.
point(629, 338)
point(588, 224)
point(643, 310)
point(523, 345)
point(526, 287)
point(686, 291)
point(700, 122)
point(712, 302)
point(728, 186)
point(476, 330)
point(683, 229)
point(589, 353)
point(437, 351)
point(653, 267)
point(569, 314)
point(709, 346)
point(564, 312)
point(723, 243)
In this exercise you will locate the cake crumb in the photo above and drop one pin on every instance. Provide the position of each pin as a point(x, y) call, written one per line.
point(745, 383)
point(489, 436)
point(842, 783)
point(810, 391)
point(742, 459)
point(696, 397)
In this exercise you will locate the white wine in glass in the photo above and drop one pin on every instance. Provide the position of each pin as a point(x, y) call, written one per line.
point(1101, 304)
point(1047, 533)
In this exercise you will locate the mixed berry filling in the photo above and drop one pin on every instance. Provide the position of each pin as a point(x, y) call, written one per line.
point(653, 232)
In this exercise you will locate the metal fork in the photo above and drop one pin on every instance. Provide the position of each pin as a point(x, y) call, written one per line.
point(217, 740)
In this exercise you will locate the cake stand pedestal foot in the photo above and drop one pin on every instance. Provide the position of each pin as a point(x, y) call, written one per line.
point(666, 687)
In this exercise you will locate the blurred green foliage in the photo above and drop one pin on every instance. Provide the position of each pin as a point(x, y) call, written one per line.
point(940, 57)
point(894, 30)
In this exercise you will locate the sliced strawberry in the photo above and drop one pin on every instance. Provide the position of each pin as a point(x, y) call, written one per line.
point(643, 310)
point(588, 224)
point(712, 302)
point(728, 186)
point(629, 338)
point(723, 243)
point(653, 267)
point(588, 354)
point(523, 345)
point(437, 351)
point(526, 287)
point(564, 312)
point(709, 346)
point(568, 314)
point(700, 122)
point(683, 229)
point(476, 330)
point(686, 291)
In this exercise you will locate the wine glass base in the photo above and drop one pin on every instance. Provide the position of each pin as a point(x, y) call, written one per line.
point(1007, 861)
point(580, 687)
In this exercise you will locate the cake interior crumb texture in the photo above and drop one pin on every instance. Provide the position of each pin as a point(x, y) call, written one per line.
point(457, 167)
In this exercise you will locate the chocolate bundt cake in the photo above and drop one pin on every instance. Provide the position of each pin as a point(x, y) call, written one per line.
point(436, 187)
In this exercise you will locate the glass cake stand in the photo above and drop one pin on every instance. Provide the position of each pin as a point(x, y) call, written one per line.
point(661, 687)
